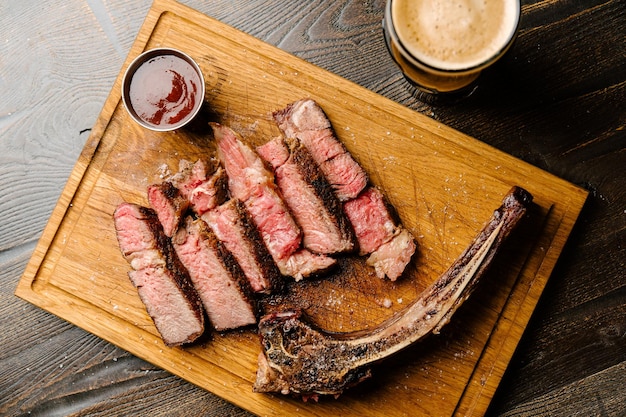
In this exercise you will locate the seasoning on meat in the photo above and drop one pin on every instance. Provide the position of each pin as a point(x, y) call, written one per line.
point(380, 234)
point(366, 208)
point(162, 282)
point(234, 227)
point(252, 183)
point(205, 186)
point(300, 359)
point(306, 121)
point(371, 218)
point(169, 205)
point(222, 286)
point(309, 196)
point(392, 257)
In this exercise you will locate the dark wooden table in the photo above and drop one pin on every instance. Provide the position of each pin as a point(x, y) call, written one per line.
point(557, 100)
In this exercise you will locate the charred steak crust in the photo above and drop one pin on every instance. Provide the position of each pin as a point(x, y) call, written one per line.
point(168, 190)
point(169, 205)
point(250, 181)
point(310, 197)
point(174, 270)
point(225, 272)
point(233, 225)
point(313, 175)
point(172, 262)
point(229, 262)
point(219, 183)
point(262, 256)
point(372, 220)
point(300, 359)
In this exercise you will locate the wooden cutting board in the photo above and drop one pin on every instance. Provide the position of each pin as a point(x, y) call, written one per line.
point(444, 185)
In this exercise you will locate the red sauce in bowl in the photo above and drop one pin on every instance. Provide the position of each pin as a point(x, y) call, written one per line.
point(164, 91)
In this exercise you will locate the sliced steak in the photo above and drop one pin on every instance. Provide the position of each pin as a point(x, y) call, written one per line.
point(251, 182)
point(371, 218)
point(204, 185)
point(169, 204)
point(392, 257)
point(220, 282)
point(304, 264)
point(309, 196)
point(275, 152)
point(192, 174)
point(306, 121)
point(247, 174)
point(276, 225)
point(233, 225)
point(211, 193)
point(380, 234)
point(300, 359)
point(162, 282)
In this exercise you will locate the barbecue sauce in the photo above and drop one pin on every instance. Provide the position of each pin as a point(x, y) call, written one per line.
point(164, 89)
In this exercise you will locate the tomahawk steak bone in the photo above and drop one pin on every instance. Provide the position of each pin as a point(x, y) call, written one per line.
point(299, 359)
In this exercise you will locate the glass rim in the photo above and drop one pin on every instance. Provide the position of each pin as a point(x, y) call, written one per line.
point(390, 28)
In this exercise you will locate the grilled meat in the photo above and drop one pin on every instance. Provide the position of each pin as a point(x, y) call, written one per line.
point(300, 359)
point(379, 233)
point(252, 183)
point(204, 185)
point(318, 212)
point(305, 120)
point(234, 227)
point(161, 280)
point(371, 219)
point(220, 282)
point(169, 205)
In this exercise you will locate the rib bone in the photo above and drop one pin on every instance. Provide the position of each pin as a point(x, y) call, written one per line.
point(300, 359)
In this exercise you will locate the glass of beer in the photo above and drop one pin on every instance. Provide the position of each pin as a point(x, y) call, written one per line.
point(442, 46)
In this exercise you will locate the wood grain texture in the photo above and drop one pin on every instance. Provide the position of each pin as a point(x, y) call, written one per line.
point(597, 394)
point(555, 101)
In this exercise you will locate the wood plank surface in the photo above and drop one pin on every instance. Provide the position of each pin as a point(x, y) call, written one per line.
point(455, 182)
point(555, 101)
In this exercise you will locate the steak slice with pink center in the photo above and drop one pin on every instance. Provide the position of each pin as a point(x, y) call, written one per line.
point(325, 227)
point(169, 204)
point(371, 219)
point(192, 174)
point(216, 275)
point(306, 121)
point(380, 234)
point(233, 226)
point(247, 174)
point(251, 182)
point(211, 193)
point(162, 282)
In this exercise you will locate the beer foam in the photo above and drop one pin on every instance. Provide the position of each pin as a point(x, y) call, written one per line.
point(454, 34)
